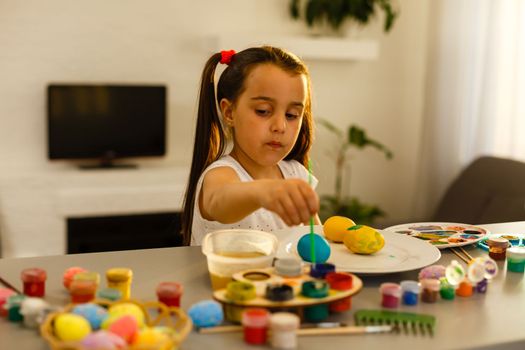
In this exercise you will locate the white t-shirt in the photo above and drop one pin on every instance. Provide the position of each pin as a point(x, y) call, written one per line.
point(261, 219)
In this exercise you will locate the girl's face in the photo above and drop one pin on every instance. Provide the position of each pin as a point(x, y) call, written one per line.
point(267, 116)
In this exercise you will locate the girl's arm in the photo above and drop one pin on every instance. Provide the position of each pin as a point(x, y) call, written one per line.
point(226, 199)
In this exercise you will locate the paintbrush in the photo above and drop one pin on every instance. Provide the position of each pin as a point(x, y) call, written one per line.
point(9, 285)
point(334, 328)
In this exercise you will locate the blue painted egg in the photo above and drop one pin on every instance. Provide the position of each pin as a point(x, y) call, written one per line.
point(95, 314)
point(322, 248)
point(206, 313)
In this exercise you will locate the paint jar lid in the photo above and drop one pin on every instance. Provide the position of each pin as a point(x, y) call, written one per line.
point(455, 273)
point(255, 317)
point(288, 267)
point(4, 294)
point(33, 275)
point(498, 242)
point(512, 239)
point(431, 284)
point(14, 300)
point(119, 274)
point(481, 268)
point(339, 280)
point(314, 289)
point(82, 287)
point(516, 253)
point(169, 290)
point(70, 273)
point(388, 288)
point(284, 321)
point(33, 306)
point(432, 272)
point(410, 286)
point(279, 292)
point(320, 270)
point(87, 276)
point(240, 291)
point(109, 294)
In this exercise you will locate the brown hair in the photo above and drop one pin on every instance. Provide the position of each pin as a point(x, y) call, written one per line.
point(210, 138)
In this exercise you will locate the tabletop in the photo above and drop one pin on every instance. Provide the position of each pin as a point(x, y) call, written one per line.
point(493, 320)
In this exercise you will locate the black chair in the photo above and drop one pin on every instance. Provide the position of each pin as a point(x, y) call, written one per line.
point(488, 190)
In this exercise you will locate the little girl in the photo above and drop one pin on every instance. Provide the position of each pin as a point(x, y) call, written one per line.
point(265, 109)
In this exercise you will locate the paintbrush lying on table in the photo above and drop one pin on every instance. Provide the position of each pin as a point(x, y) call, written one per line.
point(9, 285)
point(311, 329)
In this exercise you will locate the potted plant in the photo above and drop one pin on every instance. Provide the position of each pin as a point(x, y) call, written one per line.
point(335, 12)
point(346, 205)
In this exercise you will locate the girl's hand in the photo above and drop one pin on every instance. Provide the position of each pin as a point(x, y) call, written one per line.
point(293, 200)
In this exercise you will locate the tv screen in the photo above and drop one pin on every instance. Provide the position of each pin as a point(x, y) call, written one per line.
point(106, 121)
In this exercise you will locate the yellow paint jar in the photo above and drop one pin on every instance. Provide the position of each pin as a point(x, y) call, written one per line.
point(120, 278)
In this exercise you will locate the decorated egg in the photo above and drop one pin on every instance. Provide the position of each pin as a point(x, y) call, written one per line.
point(206, 313)
point(122, 309)
point(103, 340)
point(71, 327)
point(94, 313)
point(336, 227)
point(321, 248)
point(150, 336)
point(363, 239)
point(125, 327)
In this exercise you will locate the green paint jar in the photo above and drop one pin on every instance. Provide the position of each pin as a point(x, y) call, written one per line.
point(13, 305)
point(318, 290)
point(516, 259)
point(447, 290)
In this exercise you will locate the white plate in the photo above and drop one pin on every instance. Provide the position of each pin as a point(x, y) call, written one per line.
point(447, 234)
point(400, 253)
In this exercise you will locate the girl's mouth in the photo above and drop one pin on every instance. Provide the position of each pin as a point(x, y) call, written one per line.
point(275, 144)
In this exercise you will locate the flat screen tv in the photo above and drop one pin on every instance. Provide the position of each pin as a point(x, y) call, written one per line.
point(106, 122)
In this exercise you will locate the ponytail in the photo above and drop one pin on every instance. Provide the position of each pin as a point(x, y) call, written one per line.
point(209, 142)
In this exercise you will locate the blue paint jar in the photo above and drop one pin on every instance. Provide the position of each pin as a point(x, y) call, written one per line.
point(321, 270)
point(410, 292)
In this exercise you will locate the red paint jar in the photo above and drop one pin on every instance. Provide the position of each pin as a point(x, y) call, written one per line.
point(82, 291)
point(69, 274)
point(341, 282)
point(169, 293)
point(255, 325)
point(391, 293)
point(34, 280)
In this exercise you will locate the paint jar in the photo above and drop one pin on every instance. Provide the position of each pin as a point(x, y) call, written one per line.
point(110, 294)
point(481, 268)
point(255, 325)
point(288, 267)
point(447, 290)
point(231, 251)
point(465, 289)
point(13, 305)
point(516, 259)
point(318, 290)
point(455, 273)
point(82, 291)
point(283, 327)
point(34, 280)
point(410, 292)
point(279, 292)
point(320, 270)
point(260, 278)
point(87, 276)
point(5, 293)
point(340, 281)
point(391, 293)
point(430, 290)
point(67, 278)
point(238, 292)
point(513, 240)
point(32, 309)
point(497, 247)
point(169, 293)
point(120, 278)
point(481, 286)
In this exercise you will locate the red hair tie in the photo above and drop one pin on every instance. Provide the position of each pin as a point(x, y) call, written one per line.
point(226, 56)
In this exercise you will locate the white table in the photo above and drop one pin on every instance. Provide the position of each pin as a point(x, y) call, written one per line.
point(493, 321)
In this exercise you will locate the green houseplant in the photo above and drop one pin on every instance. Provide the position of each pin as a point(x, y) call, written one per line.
point(335, 12)
point(346, 205)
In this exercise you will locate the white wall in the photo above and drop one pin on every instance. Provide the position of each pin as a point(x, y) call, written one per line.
point(161, 41)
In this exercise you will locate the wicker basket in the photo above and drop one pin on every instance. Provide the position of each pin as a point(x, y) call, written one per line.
point(171, 317)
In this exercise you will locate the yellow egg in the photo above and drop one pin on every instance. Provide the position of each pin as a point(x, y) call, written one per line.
point(363, 239)
point(118, 310)
point(71, 327)
point(335, 227)
point(151, 336)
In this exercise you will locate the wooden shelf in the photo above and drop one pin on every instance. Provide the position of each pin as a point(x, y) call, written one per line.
point(308, 48)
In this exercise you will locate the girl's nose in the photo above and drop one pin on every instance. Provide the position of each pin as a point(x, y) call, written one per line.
point(279, 123)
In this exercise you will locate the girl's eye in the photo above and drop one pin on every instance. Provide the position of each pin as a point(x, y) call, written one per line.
point(263, 112)
point(291, 116)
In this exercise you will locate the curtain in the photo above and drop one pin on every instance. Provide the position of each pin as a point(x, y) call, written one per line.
point(475, 93)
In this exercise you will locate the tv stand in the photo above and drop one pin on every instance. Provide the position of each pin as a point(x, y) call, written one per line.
point(107, 166)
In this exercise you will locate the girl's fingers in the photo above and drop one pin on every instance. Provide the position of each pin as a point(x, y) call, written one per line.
point(311, 199)
point(290, 209)
point(300, 204)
